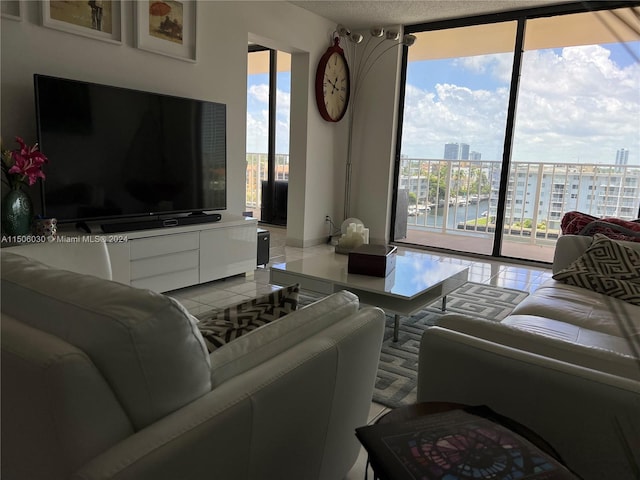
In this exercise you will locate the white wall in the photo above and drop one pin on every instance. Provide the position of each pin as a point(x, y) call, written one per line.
point(317, 148)
point(373, 147)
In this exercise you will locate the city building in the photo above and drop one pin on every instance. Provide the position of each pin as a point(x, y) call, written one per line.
point(451, 151)
point(545, 192)
point(464, 151)
point(457, 151)
point(622, 156)
point(537, 193)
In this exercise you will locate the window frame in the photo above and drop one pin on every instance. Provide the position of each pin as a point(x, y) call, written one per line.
point(521, 16)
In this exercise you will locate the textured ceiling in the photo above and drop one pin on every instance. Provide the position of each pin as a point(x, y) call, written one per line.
point(364, 14)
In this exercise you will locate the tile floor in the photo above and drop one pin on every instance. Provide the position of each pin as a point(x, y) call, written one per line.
point(222, 293)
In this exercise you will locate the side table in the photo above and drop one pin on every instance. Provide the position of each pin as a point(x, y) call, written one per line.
point(442, 440)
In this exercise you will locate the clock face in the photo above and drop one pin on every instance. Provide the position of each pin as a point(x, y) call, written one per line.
point(335, 86)
point(332, 84)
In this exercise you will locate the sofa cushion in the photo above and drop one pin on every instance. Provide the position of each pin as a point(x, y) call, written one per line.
point(583, 308)
point(259, 345)
point(570, 333)
point(144, 343)
point(236, 320)
point(606, 267)
point(549, 338)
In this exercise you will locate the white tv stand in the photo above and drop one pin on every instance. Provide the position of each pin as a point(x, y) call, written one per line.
point(166, 259)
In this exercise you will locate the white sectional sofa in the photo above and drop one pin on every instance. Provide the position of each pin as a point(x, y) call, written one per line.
point(105, 381)
point(566, 364)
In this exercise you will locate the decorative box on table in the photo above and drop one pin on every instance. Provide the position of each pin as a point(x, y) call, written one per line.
point(374, 260)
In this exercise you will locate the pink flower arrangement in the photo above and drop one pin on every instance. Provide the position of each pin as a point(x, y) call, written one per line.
point(22, 166)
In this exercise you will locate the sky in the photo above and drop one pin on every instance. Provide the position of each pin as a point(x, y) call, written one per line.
point(258, 112)
point(576, 104)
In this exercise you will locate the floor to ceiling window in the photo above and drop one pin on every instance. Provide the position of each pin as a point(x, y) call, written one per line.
point(268, 93)
point(576, 145)
point(455, 111)
point(511, 122)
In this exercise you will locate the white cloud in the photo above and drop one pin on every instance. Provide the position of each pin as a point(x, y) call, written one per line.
point(283, 100)
point(498, 66)
point(452, 114)
point(579, 101)
point(257, 132)
point(260, 93)
point(258, 119)
point(575, 104)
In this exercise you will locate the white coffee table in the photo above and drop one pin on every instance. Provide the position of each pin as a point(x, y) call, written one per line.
point(416, 281)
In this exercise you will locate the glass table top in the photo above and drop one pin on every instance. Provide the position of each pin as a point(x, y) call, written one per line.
point(415, 272)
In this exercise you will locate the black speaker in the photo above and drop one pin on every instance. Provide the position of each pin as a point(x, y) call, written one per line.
point(264, 239)
point(160, 223)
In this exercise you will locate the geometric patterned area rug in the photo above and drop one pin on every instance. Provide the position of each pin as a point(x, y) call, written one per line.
point(398, 368)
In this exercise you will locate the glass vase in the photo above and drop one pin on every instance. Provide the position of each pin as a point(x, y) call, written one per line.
point(17, 213)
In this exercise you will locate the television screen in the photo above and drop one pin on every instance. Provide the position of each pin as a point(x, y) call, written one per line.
point(116, 152)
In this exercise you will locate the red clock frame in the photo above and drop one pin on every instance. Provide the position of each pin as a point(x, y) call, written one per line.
point(320, 96)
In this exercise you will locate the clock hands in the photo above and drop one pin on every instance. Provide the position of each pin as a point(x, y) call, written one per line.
point(334, 85)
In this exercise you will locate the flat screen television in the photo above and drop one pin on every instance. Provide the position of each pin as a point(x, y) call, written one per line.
point(119, 153)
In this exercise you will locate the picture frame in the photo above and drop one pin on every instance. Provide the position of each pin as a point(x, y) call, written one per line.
point(102, 21)
point(11, 9)
point(168, 30)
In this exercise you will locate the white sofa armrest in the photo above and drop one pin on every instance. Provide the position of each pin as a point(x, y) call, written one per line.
point(259, 345)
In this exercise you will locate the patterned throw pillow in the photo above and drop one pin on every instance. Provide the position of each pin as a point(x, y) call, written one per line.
point(243, 317)
point(606, 267)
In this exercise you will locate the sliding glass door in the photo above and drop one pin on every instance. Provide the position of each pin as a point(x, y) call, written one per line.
point(576, 146)
point(511, 122)
point(455, 112)
point(268, 92)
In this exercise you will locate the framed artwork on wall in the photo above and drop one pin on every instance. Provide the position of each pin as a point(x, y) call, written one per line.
point(11, 9)
point(99, 19)
point(167, 28)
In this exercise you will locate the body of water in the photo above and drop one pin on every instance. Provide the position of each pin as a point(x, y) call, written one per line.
point(457, 214)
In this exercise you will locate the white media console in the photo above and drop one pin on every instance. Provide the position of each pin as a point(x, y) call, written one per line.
point(166, 259)
point(163, 259)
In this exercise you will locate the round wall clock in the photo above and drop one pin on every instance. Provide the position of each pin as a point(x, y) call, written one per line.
point(332, 83)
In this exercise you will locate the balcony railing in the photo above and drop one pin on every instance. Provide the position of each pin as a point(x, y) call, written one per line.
point(460, 197)
point(257, 172)
point(454, 196)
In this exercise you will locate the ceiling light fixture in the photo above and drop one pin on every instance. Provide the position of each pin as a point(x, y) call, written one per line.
point(409, 40)
point(343, 31)
point(377, 32)
point(393, 35)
